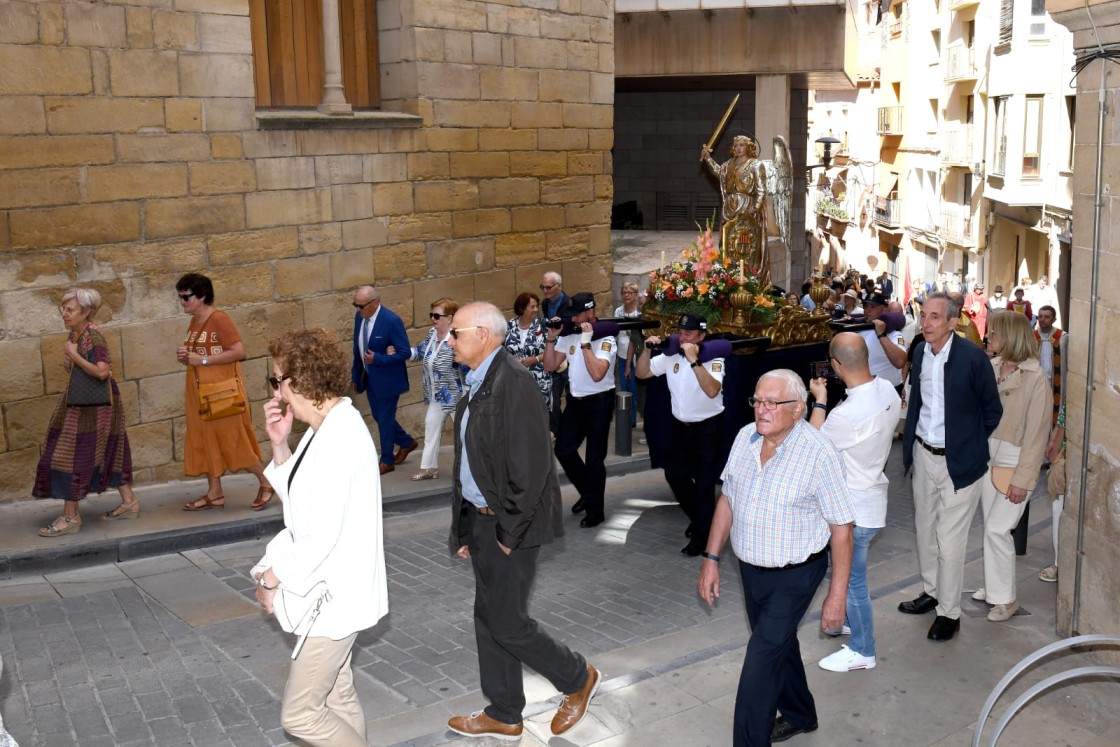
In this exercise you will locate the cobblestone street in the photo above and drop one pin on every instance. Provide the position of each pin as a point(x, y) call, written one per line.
point(174, 651)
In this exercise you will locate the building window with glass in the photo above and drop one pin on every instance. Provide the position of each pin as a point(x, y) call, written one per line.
point(1000, 135)
point(1032, 137)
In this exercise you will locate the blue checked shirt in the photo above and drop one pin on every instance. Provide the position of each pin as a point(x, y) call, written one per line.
point(780, 513)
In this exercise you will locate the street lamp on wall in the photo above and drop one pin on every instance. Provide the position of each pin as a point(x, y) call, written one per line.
point(826, 157)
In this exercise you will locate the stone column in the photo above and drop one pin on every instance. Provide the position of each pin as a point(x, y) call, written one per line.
point(771, 118)
point(334, 100)
point(771, 111)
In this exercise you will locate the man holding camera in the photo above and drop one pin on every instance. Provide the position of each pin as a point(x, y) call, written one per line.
point(861, 428)
point(590, 406)
point(696, 393)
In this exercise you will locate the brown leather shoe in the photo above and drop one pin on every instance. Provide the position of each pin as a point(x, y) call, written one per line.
point(385, 468)
point(574, 705)
point(478, 724)
point(404, 451)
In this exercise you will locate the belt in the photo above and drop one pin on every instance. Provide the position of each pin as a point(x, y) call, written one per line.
point(815, 556)
point(694, 423)
point(935, 450)
point(484, 510)
point(608, 393)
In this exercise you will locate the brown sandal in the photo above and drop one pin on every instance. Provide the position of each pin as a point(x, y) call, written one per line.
point(207, 503)
point(70, 524)
point(264, 496)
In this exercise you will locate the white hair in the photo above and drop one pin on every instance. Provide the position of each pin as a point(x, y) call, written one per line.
point(795, 387)
point(554, 277)
point(88, 298)
point(488, 316)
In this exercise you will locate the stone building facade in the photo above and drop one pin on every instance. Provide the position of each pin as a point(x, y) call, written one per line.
point(1095, 592)
point(131, 152)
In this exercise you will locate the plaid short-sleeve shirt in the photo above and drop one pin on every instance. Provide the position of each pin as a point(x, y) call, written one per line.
point(781, 512)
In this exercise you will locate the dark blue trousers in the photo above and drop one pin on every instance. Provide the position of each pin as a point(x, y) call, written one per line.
point(586, 418)
point(384, 411)
point(773, 677)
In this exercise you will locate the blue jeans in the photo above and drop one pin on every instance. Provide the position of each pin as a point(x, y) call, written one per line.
point(629, 385)
point(859, 598)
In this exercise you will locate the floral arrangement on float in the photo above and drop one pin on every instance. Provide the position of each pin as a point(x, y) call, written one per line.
point(699, 283)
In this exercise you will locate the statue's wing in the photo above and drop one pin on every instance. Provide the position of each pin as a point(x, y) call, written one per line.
point(779, 183)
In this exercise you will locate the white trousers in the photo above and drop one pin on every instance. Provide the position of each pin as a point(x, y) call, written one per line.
point(433, 429)
point(1059, 504)
point(942, 516)
point(1000, 517)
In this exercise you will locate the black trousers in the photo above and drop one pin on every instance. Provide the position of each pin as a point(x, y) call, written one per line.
point(505, 634)
point(693, 469)
point(773, 677)
point(586, 418)
point(559, 386)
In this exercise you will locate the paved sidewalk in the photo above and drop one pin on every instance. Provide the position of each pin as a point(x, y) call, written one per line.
point(171, 650)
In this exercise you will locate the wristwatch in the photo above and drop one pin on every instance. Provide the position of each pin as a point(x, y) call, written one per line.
point(205, 361)
point(585, 345)
point(695, 364)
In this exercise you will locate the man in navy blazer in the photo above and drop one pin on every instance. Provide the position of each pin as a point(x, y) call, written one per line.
point(381, 348)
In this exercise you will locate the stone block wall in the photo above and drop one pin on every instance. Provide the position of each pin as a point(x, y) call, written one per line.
point(1098, 588)
point(130, 154)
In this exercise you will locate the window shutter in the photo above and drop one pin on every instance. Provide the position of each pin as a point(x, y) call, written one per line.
point(1006, 20)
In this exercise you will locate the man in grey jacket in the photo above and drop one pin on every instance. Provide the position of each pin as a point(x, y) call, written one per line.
point(505, 505)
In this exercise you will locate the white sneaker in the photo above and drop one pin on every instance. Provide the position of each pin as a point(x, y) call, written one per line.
point(846, 660)
point(980, 595)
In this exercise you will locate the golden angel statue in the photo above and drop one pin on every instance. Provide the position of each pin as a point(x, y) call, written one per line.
point(745, 182)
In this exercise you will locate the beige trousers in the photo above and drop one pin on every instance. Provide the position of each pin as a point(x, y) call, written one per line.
point(1000, 517)
point(320, 705)
point(942, 516)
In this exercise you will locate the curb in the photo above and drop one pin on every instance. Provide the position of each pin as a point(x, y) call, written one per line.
point(101, 552)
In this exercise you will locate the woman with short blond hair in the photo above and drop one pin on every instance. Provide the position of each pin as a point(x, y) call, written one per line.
point(1017, 448)
point(87, 447)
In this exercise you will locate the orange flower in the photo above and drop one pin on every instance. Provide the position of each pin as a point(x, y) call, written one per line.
point(703, 288)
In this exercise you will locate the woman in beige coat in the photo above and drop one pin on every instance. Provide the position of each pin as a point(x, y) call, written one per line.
point(1017, 448)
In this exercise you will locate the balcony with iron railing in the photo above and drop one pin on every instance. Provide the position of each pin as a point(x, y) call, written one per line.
point(956, 225)
point(888, 212)
point(956, 147)
point(960, 63)
point(890, 120)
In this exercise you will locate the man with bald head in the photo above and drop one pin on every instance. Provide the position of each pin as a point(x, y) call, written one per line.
point(381, 348)
point(861, 428)
point(505, 504)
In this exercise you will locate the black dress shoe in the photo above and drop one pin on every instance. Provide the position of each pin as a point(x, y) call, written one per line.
point(691, 550)
point(923, 604)
point(943, 628)
point(783, 730)
point(591, 521)
point(579, 506)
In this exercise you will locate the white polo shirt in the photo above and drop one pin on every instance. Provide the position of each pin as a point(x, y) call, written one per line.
point(877, 359)
point(690, 403)
point(862, 428)
point(580, 382)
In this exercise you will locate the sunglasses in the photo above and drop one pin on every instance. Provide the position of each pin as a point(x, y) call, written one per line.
point(186, 296)
point(547, 287)
point(357, 305)
point(436, 317)
point(455, 332)
point(274, 381)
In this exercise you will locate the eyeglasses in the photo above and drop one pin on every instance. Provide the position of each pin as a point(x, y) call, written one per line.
point(186, 296)
point(455, 332)
point(547, 287)
point(357, 305)
point(436, 317)
point(769, 405)
point(67, 311)
point(275, 381)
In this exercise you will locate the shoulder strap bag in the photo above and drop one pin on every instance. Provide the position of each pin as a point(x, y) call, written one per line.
point(297, 613)
point(220, 399)
point(85, 390)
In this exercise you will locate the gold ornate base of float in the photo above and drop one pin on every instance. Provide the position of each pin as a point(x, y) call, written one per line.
point(792, 325)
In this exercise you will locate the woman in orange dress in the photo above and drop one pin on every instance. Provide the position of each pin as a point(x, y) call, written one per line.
point(212, 351)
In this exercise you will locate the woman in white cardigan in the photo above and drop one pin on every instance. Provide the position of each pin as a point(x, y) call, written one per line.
point(443, 383)
point(330, 556)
